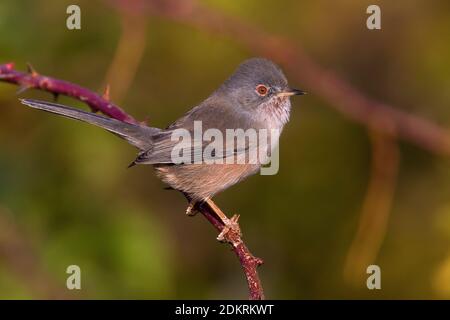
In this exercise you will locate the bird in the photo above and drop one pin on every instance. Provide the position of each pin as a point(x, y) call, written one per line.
point(256, 96)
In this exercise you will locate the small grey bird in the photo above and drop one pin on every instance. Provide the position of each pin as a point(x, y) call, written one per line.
point(256, 96)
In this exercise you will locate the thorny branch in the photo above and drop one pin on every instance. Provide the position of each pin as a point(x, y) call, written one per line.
point(33, 80)
point(101, 103)
point(338, 93)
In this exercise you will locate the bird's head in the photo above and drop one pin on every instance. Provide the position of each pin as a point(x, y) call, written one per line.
point(259, 86)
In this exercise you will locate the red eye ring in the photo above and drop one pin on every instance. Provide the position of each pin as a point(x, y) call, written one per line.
point(261, 89)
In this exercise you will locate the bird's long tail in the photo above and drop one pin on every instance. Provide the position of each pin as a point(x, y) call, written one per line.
point(138, 135)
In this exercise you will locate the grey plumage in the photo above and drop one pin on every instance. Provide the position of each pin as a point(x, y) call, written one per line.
point(235, 104)
point(137, 135)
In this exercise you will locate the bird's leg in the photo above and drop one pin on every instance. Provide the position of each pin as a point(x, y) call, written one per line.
point(229, 224)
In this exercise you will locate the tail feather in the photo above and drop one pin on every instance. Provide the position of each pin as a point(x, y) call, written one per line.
point(139, 136)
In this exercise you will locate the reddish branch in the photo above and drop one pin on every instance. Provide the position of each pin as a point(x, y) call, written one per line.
point(101, 103)
point(249, 262)
point(36, 81)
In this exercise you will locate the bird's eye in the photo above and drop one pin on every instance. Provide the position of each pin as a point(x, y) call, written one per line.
point(261, 89)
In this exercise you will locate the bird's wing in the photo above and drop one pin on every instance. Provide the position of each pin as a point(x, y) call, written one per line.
point(166, 144)
point(167, 149)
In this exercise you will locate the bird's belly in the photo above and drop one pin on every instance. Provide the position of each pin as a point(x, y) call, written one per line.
point(201, 181)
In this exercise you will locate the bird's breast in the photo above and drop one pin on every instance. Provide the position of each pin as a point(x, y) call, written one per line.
point(275, 113)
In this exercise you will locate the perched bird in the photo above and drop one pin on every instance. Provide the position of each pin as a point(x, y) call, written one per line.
point(256, 96)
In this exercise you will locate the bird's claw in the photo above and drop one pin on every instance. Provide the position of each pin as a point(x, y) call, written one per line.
point(190, 210)
point(230, 225)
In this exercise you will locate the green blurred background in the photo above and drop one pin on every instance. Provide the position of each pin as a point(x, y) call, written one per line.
point(66, 196)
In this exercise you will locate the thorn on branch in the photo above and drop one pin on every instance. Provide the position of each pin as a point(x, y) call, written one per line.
point(259, 261)
point(105, 94)
point(31, 70)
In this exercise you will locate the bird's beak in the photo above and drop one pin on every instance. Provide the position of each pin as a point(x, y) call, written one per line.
point(290, 92)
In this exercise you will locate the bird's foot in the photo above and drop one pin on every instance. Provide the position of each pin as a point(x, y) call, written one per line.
point(230, 226)
point(190, 210)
